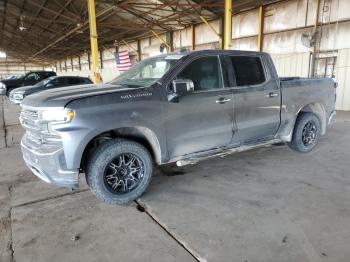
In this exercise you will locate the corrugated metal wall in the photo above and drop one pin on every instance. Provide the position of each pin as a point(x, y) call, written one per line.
point(343, 78)
point(292, 64)
point(16, 67)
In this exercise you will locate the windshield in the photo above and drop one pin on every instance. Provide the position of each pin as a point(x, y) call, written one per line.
point(147, 72)
point(44, 82)
point(20, 76)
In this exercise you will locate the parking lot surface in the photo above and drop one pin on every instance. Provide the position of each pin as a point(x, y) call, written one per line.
point(269, 204)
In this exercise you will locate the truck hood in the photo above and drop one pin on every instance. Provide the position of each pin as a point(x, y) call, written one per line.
point(12, 82)
point(27, 89)
point(60, 97)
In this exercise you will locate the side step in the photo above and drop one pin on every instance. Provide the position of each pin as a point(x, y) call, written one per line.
point(223, 152)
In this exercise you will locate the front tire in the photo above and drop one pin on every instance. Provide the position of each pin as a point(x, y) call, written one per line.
point(119, 171)
point(307, 132)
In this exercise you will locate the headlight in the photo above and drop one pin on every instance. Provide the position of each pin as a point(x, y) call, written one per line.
point(57, 115)
point(17, 95)
point(2, 86)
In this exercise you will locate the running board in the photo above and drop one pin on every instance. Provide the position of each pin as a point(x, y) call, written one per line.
point(223, 152)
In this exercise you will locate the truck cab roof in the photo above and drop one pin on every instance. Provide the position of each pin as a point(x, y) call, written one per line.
point(186, 52)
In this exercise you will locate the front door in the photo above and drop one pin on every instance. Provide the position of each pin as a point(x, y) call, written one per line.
point(203, 119)
point(257, 100)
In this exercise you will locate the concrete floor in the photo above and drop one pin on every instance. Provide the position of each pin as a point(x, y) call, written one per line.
point(269, 204)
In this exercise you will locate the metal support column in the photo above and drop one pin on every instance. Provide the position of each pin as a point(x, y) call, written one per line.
point(161, 39)
point(89, 60)
point(314, 49)
point(212, 29)
point(193, 29)
point(101, 59)
point(261, 29)
point(139, 51)
point(171, 40)
point(228, 24)
point(93, 41)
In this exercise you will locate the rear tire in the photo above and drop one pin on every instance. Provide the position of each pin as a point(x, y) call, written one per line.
point(307, 131)
point(119, 171)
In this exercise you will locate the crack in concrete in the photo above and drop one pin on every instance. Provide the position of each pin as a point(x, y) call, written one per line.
point(3, 121)
point(143, 207)
point(12, 251)
point(50, 198)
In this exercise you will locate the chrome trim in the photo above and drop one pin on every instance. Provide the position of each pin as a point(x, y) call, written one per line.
point(31, 108)
point(272, 94)
point(223, 101)
point(223, 152)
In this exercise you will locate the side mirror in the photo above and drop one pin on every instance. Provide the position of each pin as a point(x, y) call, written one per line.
point(49, 85)
point(182, 86)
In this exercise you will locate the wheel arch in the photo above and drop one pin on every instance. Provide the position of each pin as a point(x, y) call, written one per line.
point(140, 134)
point(317, 109)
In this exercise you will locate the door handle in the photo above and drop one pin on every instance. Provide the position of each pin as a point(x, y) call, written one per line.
point(272, 94)
point(223, 100)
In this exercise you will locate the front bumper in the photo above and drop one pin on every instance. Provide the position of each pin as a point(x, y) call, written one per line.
point(48, 163)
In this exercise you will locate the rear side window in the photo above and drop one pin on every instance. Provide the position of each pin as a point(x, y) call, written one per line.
point(73, 81)
point(44, 75)
point(86, 81)
point(50, 74)
point(33, 76)
point(248, 69)
point(59, 81)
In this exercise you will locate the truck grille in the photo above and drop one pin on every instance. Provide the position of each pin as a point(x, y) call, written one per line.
point(29, 119)
point(36, 131)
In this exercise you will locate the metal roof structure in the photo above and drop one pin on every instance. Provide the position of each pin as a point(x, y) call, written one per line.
point(47, 30)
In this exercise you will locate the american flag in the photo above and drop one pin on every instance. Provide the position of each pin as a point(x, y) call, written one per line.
point(123, 60)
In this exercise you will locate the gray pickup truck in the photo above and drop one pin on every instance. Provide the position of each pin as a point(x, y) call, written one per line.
point(180, 107)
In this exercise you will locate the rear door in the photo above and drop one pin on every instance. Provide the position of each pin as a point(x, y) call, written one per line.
point(256, 99)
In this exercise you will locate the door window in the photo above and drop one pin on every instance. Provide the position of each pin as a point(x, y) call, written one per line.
point(73, 81)
point(48, 74)
point(205, 73)
point(32, 76)
point(248, 70)
point(59, 81)
point(86, 81)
